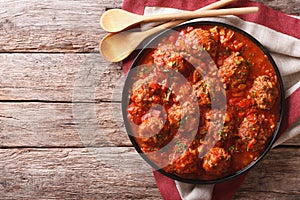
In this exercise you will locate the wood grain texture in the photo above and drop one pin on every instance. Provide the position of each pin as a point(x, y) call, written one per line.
point(104, 173)
point(59, 77)
point(52, 25)
point(34, 124)
point(276, 177)
point(291, 7)
point(120, 173)
point(67, 26)
point(61, 125)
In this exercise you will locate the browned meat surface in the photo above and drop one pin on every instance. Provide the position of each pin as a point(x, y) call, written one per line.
point(255, 131)
point(197, 40)
point(264, 92)
point(216, 161)
point(234, 71)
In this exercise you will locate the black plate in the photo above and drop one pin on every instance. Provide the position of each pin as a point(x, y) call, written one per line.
point(128, 83)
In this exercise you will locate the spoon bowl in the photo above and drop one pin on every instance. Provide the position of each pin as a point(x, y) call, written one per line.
point(113, 20)
point(112, 46)
point(115, 47)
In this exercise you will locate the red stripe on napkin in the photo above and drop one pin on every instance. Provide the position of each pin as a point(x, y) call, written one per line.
point(226, 190)
point(267, 17)
point(292, 110)
point(273, 19)
point(169, 192)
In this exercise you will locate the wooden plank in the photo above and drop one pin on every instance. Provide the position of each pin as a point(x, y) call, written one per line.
point(120, 173)
point(289, 7)
point(30, 124)
point(59, 77)
point(67, 26)
point(104, 173)
point(61, 125)
point(276, 177)
point(52, 25)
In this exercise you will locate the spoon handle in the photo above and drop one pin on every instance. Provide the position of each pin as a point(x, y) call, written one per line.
point(215, 5)
point(157, 26)
point(198, 14)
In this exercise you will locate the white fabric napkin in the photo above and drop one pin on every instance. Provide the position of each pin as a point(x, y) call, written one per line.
point(287, 58)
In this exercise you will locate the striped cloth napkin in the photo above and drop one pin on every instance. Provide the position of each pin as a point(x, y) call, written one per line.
point(278, 33)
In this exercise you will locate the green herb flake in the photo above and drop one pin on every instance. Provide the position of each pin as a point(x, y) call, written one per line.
point(227, 51)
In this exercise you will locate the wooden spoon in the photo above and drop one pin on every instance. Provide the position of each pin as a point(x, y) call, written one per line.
point(116, 20)
point(115, 47)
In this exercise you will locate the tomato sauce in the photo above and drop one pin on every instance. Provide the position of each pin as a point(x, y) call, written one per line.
point(204, 103)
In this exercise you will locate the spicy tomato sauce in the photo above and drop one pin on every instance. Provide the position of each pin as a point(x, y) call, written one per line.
point(204, 102)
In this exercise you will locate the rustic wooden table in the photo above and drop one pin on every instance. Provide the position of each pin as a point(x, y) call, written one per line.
point(61, 132)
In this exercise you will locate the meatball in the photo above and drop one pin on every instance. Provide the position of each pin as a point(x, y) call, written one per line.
point(219, 128)
point(264, 92)
point(153, 130)
point(216, 161)
point(184, 116)
point(234, 71)
point(249, 127)
point(174, 114)
point(184, 160)
point(255, 130)
point(196, 40)
point(150, 126)
point(166, 55)
point(135, 113)
point(140, 95)
point(201, 91)
point(144, 93)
